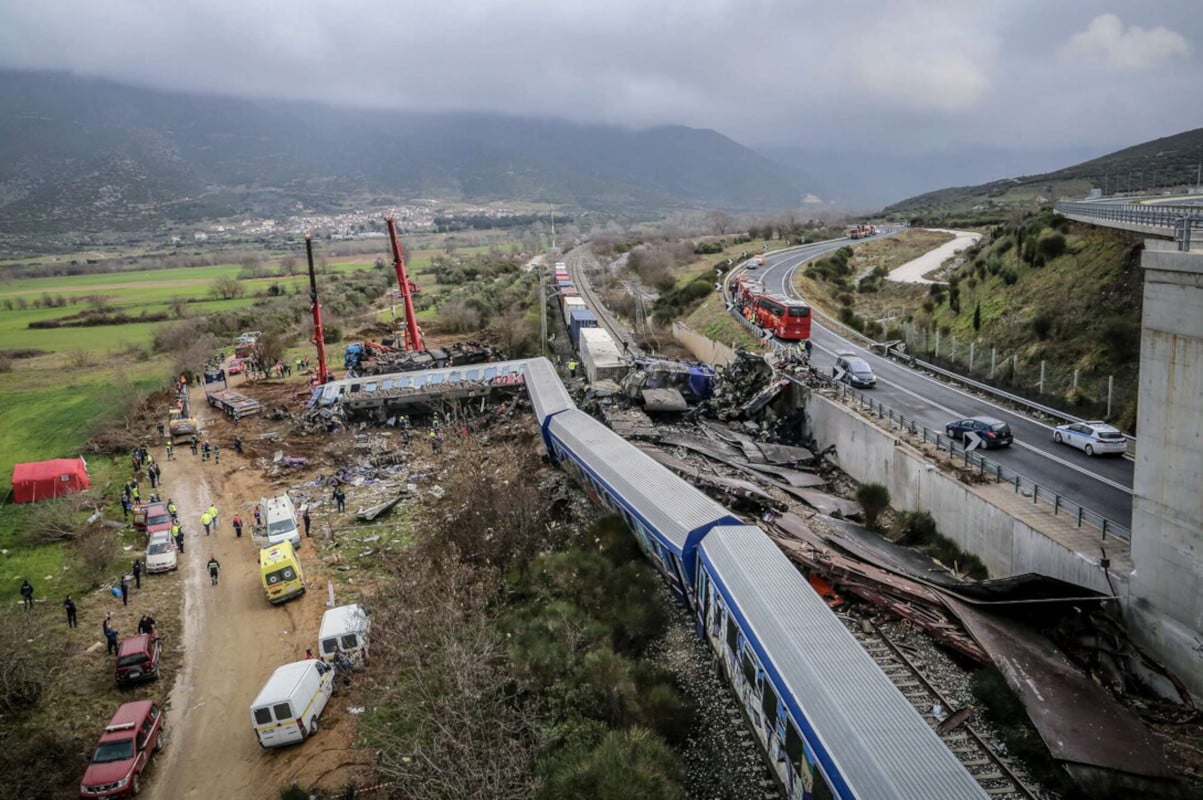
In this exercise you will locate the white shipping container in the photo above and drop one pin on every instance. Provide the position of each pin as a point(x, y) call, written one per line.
point(570, 303)
point(600, 355)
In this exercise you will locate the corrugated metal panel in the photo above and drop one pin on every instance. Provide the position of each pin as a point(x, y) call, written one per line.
point(860, 725)
point(670, 505)
point(546, 390)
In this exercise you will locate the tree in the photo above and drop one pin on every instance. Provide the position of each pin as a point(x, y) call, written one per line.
point(977, 316)
point(227, 288)
point(874, 499)
point(289, 265)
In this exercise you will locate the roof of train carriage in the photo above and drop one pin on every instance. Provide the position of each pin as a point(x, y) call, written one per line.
point(547, 392)
point(868, 739)
point(485, 371)
point(669, 505)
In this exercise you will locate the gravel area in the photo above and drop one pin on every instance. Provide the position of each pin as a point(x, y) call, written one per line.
point(722, 758)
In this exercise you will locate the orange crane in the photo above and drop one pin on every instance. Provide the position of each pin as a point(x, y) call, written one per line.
point(413, 336)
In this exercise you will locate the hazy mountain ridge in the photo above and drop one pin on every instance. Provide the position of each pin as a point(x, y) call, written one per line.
point(1171, 161)
point(84, 154)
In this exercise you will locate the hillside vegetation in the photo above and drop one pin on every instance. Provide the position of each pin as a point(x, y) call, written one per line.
point(1165, 164)
point(1038, 288)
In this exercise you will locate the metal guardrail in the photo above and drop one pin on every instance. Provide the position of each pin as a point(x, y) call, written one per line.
point(987, 467)
point(1184, 223)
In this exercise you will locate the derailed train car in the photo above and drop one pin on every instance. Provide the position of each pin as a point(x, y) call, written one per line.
point(830, 722)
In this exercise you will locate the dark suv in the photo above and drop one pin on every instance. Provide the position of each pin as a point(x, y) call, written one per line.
point(854, 370)
point(990, 431)
point(138, 659)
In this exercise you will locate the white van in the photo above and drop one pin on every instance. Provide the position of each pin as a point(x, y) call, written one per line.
point(160, 553)
point(279, 522)
point(345, 628)
point(287, 707)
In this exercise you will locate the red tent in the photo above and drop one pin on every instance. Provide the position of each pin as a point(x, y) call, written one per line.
point(39, 480)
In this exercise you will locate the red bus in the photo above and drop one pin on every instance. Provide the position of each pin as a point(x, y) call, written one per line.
point(784, 318)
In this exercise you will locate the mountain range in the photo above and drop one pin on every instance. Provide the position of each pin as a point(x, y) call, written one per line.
point(84, 154)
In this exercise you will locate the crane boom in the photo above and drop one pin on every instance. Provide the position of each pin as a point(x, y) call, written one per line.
point(319, 336)
point(413, 337)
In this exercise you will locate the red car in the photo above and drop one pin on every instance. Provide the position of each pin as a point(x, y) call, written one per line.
point(152, 518)
point(133, 735)
point(138, 659)
point(235, 367)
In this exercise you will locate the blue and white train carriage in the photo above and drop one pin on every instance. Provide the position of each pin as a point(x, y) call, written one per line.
point(667, 521)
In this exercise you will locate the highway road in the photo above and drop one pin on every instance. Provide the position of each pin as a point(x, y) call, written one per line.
point(1102, 484)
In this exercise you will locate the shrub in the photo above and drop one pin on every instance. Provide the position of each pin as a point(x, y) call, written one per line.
point(1009, 276)
point(1051, 246)
point(1042, 325)
point(874, 499)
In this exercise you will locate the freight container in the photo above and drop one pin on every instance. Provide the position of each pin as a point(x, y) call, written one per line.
point(600, 355)
point(580, 318)
point(567, 304)
point(564, 284)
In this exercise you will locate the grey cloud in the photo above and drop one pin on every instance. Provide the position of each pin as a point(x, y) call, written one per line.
point(890, 77)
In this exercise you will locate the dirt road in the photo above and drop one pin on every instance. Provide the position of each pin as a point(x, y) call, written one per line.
point(233, 640)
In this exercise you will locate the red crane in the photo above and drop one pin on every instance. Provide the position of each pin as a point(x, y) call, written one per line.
point(413, 336)
point(319, 337)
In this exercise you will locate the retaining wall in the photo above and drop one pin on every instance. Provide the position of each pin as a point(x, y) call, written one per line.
point(987, 520)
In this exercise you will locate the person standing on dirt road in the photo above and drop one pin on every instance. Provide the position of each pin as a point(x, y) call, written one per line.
point(69, 606)
point(178, 533)
point(171, 509)
point(137, 570)
point(170, 450)
point(194, 442)
point(206, 521)
point(237, 522)
point(214, 566)
point(213, 515)
point(306, 519)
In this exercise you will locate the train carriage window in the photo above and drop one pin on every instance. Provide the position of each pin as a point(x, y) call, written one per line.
point(794, 748)
point(749, 664)
point(732, 636)
point(768, 703)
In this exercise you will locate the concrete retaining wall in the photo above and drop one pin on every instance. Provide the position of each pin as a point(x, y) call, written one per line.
point(987, 520)
point(702, 347)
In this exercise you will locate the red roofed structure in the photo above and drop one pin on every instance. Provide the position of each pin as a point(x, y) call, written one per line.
point(39, 480)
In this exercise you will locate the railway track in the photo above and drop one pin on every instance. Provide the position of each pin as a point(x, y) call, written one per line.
point(990, 770)
point(577, 263)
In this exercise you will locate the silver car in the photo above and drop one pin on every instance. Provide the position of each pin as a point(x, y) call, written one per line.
point(1095, 438)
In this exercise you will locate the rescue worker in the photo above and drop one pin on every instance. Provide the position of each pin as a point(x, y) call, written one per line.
point(213, 514)
point(206, 520)
point(214, 566)
point(177, 533)
point(170, 447)
point(171, 509)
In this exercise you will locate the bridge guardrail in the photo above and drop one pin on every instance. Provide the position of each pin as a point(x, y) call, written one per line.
point(1185, 222)
point(987, 467)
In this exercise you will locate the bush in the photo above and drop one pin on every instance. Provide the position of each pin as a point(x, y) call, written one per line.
point(1009, 276)
point(1042, 325)
point(874, 499)
point(1051, 246)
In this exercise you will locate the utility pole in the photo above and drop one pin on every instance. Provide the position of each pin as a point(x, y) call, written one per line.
point(553, 230)
point(543, 308)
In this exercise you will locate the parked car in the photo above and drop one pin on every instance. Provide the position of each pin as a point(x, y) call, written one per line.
point(854, 371)
point(138, 659)
point(129, 740)
point(152, 517)
point(1096, 437)
point(235, 367)
point(993, 432)
point(160, 553)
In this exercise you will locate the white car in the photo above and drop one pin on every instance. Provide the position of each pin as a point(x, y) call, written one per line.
point(1096, 437)
point(160, 553)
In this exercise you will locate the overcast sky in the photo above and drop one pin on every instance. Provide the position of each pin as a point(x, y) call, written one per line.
point(894, 76)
